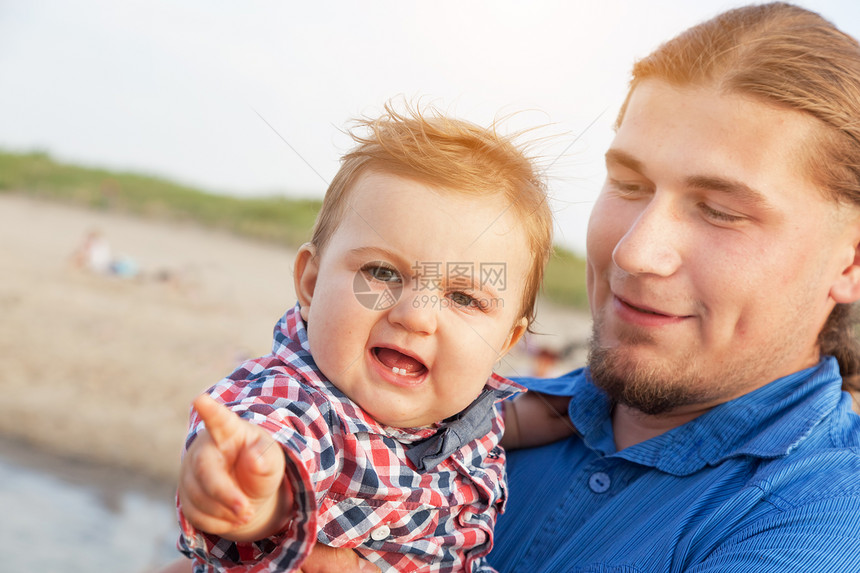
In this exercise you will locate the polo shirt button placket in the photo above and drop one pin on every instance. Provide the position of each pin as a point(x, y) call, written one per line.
point(599, 482)
point(380, 533)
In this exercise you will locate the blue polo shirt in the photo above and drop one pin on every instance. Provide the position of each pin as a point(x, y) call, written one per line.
point(767, 482)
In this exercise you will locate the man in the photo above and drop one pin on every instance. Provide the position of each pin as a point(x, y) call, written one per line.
point(722, 255)
point(712, 430)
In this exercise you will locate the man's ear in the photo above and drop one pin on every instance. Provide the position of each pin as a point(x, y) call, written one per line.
point(516, 334)
point(305, 272)
point(846, 289)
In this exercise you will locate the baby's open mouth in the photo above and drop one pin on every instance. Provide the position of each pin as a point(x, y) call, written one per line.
point(398, 362)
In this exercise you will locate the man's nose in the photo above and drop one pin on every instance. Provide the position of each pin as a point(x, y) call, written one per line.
point(652, 245)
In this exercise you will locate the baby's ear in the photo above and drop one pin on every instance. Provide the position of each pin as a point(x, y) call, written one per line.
point(305, 272)
point(517, 332)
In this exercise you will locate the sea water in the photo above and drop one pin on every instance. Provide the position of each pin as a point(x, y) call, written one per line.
point(66, 517)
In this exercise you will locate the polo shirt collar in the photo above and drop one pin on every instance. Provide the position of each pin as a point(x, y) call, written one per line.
point(767, 423)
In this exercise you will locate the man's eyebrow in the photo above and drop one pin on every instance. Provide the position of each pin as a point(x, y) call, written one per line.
point(624, 159)
point(731, 187)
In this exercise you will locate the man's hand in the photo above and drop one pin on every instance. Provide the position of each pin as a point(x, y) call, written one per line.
point(325, 559)
point(534, 419)
point(231, 478)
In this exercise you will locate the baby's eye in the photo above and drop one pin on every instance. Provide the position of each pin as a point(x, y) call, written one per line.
point(463, 299)
point(381, 273)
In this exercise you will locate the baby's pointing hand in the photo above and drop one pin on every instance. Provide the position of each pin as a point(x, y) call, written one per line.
point(231, 476)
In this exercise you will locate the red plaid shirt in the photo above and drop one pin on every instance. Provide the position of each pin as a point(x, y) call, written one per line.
point(351, 478)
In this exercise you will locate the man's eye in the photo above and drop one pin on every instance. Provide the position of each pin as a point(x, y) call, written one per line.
point(720, 216)
point(627, 188)
point(381, 273)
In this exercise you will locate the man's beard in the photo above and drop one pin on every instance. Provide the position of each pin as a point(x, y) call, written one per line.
point(652, 389)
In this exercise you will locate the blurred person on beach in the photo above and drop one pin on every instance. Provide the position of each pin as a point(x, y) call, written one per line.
point(714, 420)
point(374, 424)
point(94, 255)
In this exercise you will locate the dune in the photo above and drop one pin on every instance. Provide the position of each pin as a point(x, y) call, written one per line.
point(103, 367)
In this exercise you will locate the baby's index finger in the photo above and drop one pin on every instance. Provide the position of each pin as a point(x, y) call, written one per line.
point(220, 421)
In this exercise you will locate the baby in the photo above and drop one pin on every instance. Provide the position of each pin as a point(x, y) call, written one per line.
point(374, 424)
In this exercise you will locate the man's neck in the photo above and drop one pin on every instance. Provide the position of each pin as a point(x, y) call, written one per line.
point(630, 426)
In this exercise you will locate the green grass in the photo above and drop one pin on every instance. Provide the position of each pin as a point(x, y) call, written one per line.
point(564, 280)
point(271, 219)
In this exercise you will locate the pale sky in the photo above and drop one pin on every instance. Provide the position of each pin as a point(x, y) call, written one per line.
point(188, 90)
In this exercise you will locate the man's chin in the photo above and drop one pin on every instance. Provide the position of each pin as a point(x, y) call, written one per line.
point(648, 388)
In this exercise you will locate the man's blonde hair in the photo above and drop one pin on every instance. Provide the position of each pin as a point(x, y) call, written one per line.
point(456, 156)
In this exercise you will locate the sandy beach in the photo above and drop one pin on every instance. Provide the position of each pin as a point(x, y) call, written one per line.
point(103, 368)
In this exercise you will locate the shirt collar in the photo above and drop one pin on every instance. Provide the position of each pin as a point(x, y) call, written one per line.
point(767, 423)
point(291, 346)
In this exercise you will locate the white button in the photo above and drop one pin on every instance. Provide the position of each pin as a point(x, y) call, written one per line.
point(599, 482)
point(381, 533)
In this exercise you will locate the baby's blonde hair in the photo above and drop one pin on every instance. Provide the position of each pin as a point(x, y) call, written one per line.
point(453, 155)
